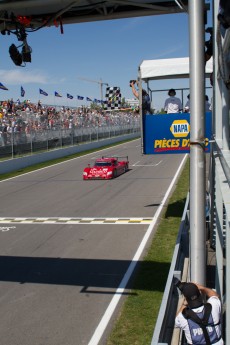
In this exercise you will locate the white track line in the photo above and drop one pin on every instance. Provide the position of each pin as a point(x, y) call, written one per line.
point(82, 156)
point(145, 165)
point(113, 304)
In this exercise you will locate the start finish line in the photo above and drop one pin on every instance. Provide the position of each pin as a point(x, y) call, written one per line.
point(170, 133)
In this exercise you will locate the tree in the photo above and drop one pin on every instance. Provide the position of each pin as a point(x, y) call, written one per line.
point(162, 111)
point(95, 106)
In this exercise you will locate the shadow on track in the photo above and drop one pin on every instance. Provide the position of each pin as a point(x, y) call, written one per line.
point(88, 273)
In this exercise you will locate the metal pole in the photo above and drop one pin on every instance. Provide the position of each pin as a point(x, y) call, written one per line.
point(197, 136)
point(12, 141)
point(101, 87)
point(217, 85)
point(225, 114)
point(140, 109)
point(182, 100)
point(31, 141)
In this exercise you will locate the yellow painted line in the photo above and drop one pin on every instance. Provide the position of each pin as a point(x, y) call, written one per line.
point(72, 220)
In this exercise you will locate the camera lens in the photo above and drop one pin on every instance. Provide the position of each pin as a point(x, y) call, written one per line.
point(132, 82)
point(179, 284)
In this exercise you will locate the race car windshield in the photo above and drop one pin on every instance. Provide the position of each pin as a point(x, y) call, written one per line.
point(102, 164)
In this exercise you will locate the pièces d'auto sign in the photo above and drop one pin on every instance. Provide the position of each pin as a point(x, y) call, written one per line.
point(171, 133)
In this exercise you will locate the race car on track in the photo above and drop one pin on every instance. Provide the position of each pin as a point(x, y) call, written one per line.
point(106, 168)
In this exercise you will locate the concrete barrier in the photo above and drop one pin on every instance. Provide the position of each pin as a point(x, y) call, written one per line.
point(23, 162)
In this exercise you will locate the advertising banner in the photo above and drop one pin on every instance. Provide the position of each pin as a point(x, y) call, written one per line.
point(170, 133)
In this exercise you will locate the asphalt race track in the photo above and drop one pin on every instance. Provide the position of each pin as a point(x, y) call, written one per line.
point(66, 245)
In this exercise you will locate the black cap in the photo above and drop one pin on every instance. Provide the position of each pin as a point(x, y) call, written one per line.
point(172, 91)
point(192, 295)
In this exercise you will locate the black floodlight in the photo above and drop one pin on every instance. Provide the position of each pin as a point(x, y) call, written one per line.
point(15, 55)
point(26, 53)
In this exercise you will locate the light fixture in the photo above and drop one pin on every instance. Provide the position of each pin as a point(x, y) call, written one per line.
point(15, 55)
point(26, 52)
point(18, 58)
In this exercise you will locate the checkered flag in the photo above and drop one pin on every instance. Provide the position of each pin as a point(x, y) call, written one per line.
point(112, 98)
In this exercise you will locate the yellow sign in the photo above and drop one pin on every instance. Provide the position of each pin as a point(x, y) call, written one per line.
point(180, 128)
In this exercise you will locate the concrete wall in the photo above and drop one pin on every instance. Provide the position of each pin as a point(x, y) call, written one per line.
point(20, 163)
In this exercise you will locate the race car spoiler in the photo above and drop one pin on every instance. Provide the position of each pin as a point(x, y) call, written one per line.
point(117, 157)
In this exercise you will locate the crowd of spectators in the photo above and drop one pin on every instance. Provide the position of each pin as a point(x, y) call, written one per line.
point(27, 117)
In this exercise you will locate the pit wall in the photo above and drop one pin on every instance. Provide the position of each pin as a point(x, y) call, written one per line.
point(23, 162)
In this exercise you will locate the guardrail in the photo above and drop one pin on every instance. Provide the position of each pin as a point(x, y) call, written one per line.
point(164, 329)
point(219, 223)
point(220, 234)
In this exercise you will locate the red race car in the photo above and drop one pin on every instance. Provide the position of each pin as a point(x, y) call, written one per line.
point(106, 168)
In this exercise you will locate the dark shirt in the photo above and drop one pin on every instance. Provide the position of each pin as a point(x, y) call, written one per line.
point(146, 104)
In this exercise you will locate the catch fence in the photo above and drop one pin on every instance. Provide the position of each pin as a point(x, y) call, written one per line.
point(16, 144)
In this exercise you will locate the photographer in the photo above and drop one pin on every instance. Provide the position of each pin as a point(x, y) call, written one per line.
point(187, 105)
point(146, 103)
point(200, 321)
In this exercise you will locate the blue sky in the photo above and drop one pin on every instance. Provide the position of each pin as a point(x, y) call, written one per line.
point(110, 51)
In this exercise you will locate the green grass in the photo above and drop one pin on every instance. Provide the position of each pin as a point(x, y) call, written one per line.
point(138, 315)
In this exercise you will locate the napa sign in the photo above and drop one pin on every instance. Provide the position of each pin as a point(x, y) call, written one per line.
point(170, 133)
point(180, 128)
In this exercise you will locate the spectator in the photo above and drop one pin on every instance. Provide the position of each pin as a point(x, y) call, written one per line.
point(197, 332)
point(187, 105)
point(3, 132)
point(207, 104)
point(172, 104)
point(36, 118)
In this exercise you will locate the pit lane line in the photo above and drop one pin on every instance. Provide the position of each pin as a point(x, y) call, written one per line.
point(146, 165)
point(73, 220)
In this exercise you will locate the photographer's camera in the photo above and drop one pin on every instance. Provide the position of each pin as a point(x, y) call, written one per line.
point(131, 82)
point(179, 284)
